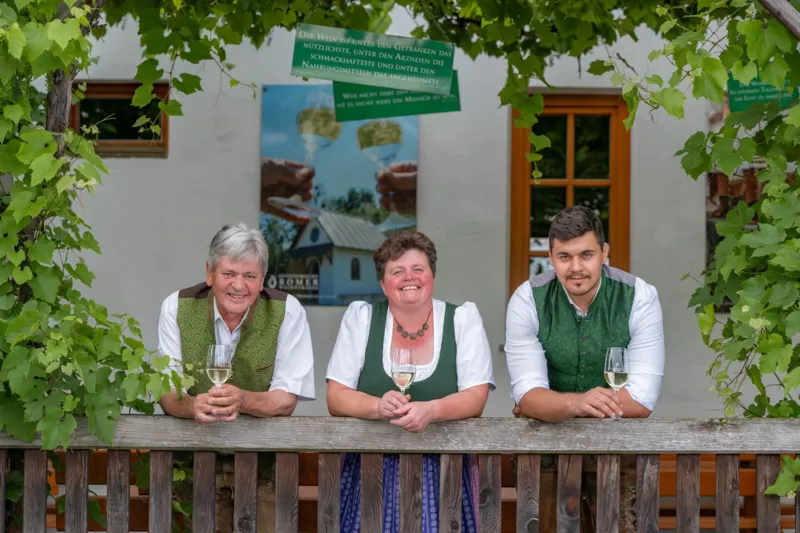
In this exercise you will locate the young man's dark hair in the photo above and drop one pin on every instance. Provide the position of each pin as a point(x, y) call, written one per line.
point(575, 221)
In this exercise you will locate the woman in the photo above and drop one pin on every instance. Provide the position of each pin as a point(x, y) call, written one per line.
point(452, 381)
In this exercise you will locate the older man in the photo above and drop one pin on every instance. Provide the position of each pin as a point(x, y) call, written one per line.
point(558, 327)
point(273, 364)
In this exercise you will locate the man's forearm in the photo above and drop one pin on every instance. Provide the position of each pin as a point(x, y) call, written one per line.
point(173, 406)
point(271, 403)
point(550, 406)
point(630, 407)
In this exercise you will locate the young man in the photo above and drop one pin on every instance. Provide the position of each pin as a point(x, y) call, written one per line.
point(273, 362)
point(558, 327)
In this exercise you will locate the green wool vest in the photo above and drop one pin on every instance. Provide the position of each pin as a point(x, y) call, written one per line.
point(254, 360)
point(444, 381)
point(575, 346)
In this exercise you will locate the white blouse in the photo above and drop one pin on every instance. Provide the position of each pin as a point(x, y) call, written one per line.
point(473, 355)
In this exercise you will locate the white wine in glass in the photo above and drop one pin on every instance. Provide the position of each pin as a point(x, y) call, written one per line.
point(380, 141)
point(403, 368)
point(616, 370)
point(318, 128)
point(219, 363)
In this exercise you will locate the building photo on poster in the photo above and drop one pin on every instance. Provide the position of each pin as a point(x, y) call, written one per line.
point(331, 192)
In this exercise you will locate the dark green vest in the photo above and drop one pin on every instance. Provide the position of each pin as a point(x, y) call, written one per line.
point(254, 360)
point(575, 346)
point(444, 381)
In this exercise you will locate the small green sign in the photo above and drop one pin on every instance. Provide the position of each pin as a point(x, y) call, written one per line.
point(360, 102)
point(374, 59)
point(740, 96)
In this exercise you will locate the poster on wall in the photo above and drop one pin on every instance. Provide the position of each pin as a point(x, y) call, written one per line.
point(331, 192)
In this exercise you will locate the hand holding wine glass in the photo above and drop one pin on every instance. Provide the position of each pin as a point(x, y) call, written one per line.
point(616, 370)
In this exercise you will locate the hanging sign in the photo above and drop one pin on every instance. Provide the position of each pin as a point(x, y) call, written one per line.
point(361, 102)
point(373, 59)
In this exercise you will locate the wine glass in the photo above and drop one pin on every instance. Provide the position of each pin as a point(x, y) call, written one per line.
point(616, 370)
point(219, 363)
point(403, 368)
point(316, 124)
point(380, 142)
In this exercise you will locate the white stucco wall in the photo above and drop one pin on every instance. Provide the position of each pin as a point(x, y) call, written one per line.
point(155, 217)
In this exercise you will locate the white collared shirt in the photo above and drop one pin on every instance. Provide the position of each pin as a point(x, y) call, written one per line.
point(473, 357)
point(525, 355)
point(294, 359)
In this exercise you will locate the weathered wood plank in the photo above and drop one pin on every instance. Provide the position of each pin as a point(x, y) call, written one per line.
point(287, 492)
point(3, 466)
point(568, 506)
point(477, 435)
point(118, 467)
point(528, 476)
point(160, 492)
point(77, 496)
point(647, 469)
point(450, 493)
point(329, 482)
point(371, 492)
point(608, 494)
point(688, 513)
point(489, 492)
point(204, 492)
point(727, 493)
point(410, 493)
point(768, 506)
point(35, 492)
point(245, 489)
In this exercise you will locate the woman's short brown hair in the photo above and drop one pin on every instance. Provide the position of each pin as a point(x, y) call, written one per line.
point(396, 245)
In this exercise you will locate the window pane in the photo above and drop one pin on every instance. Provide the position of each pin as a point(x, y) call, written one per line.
point(597, 199)
point(592, 146)
point(546, 202)
point(539, 265)
point(554, 159)
point(115, 117)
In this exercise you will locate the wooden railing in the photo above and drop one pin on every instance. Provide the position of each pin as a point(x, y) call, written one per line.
point(488, 437)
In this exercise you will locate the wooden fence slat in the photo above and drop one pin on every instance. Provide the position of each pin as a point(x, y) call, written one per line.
point(608, 494)
point(568, 506)
point(329, 483)
point(371, 492)
point(245, 490)
point(3, 466)
point(727, 493)
point(204, 492)
point(118, 467)
point(688, 512)
point(768, 506)
point(35, 492)
point(450, 493)
point(647, 471)
point(489, 493)
point(77, 488)
point(410, 493)
point(160, 492)
point(528, 476)
point(287, 492)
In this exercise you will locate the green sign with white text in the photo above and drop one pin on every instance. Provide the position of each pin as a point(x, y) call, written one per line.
point(741, 96)
point(373, 59)
point(361, 102)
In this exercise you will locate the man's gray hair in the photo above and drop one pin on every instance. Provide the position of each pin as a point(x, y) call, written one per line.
point(238, 241)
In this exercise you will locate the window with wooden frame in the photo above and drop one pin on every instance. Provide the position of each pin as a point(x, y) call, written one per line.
point(587, 163)
point(108, 106)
